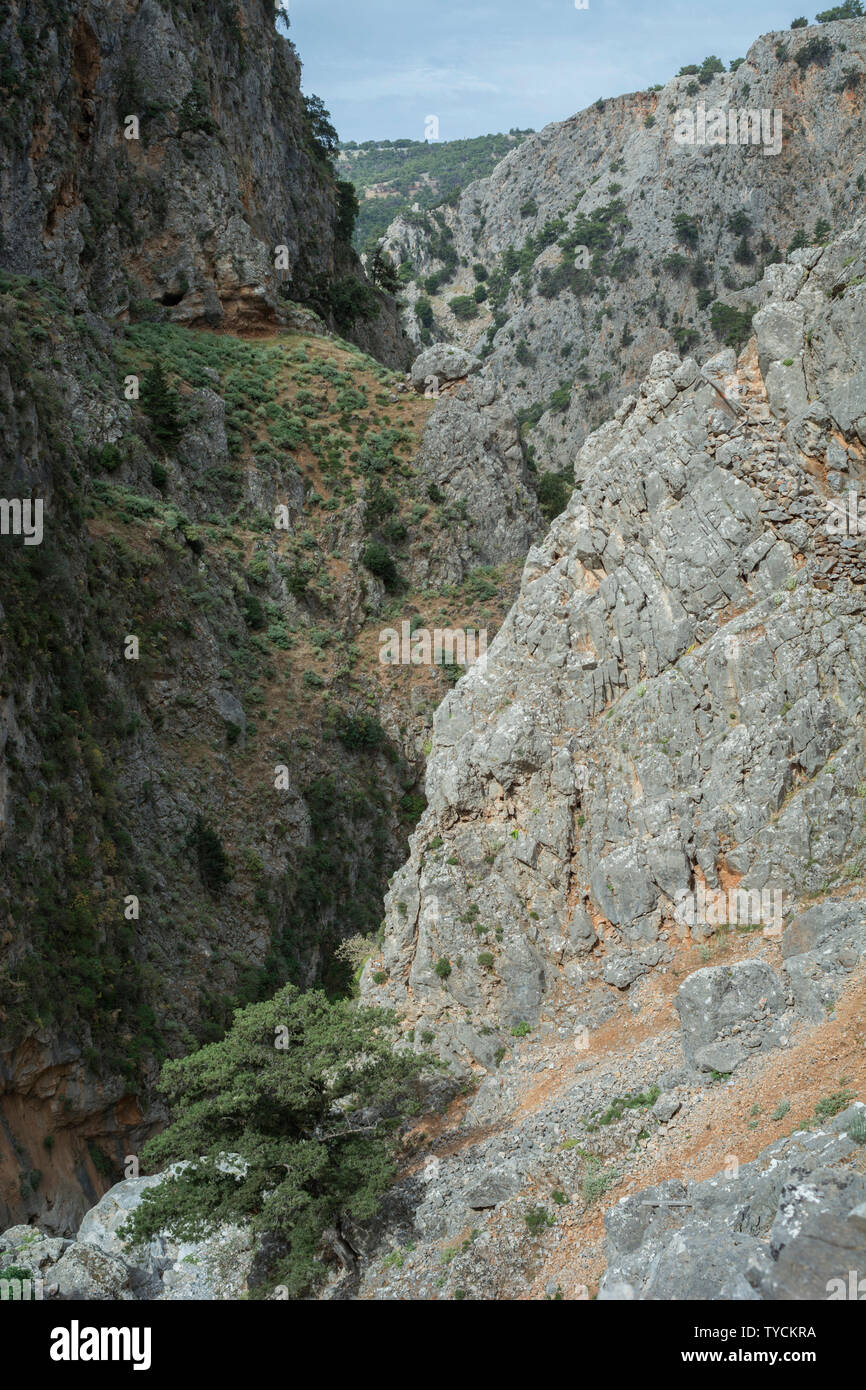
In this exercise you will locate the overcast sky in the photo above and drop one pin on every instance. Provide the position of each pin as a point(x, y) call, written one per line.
point(383, 66)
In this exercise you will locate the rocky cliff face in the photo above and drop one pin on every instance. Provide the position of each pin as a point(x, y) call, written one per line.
point(676, 697)
point(643, 851)
point(667, 228)
point(162, 155)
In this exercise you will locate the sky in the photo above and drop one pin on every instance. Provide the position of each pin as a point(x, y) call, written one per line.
point(382, 67)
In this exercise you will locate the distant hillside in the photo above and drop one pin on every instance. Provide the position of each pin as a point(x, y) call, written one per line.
point(391, 175)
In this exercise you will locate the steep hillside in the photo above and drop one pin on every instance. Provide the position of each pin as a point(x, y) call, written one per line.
point(670, 231)
point(223, 521)
point(162, 155)
point(393, 176)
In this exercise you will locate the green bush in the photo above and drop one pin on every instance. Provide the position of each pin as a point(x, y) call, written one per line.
point(213, 864)
point(553, 492)
point(463, 306)
point(817, 50)
point(443, 967)
point(194, 114)
point(379, 561)
point(733, 326)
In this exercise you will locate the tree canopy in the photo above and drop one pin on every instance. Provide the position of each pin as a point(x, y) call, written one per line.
point(287, 1122)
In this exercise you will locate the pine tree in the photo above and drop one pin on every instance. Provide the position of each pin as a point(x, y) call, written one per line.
point(162, 406)
point(286, 1123)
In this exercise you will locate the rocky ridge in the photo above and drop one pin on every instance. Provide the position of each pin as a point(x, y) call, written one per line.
point(668, 228)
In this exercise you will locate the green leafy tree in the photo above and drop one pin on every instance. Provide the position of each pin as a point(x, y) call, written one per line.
point(161, 405)
point(553, 491)
point(851, 9)
point(283, 1126)
point(463, 306)
point(687, 229)
point(732, 325)
point(348, 208)
point(321, 128)
point(379, 561)
point(382, 272)
point(709, 67)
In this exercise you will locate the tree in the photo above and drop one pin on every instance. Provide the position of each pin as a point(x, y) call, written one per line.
point(851, 9)
point(379, 561)
point(463, 306)
point(348, 208)
point(382, 272)
point(161, 405)
point(733, 326)
point(553, 492)
point(709, 67)
point(283, 1126)
point(321, 128)
point(800, 23)
point(687, 229)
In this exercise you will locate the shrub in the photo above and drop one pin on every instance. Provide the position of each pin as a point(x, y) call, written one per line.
point(379, 561)
point(537, 1219)
point(424, 312)
point(800, 23)
point(194, 114)
point(817, 50)
point(463, 306)
point(560, 398)
point(687, 229)
point(360, 731)
point(733, 326)
point(529, 208)
point(857, 1128)
point(743, 253)
point(485, 960)
point(553, 492)
point(443, 967)
point(213, 864)
point(833, 1104)
point(675, 263)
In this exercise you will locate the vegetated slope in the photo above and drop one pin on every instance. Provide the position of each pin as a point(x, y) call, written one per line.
point(164, 154)
point(675, 705)
point(676, 235)
point(249, 772)
point(392, 176)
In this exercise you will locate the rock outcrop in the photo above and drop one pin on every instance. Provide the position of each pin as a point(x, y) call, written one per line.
point(160, 158)
point(673, 707)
